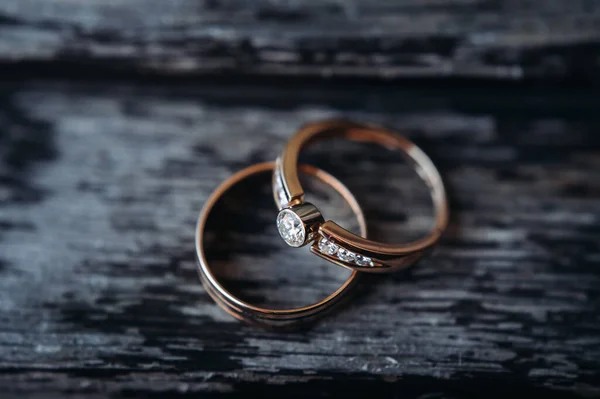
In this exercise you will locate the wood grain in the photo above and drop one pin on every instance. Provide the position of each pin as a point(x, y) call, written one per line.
point(100, 187)
point(507, 40)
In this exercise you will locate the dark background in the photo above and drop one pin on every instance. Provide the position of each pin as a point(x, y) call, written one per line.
point(118, 118)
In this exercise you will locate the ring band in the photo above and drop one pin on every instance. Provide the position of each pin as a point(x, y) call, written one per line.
point(275, 318)
point(331, 241)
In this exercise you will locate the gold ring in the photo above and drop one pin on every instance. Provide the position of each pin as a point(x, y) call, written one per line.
point(300, 223)
point(273, 318)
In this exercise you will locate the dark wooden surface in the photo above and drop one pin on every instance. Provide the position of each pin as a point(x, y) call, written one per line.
point(101, 187)
point(106, 160)
point(500, 39)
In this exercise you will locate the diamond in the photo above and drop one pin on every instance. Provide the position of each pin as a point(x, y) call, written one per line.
point(363, 261)
point(323, 244)
point(346, 255)
point(281, 195)
point(332, 249)
point(327, 246)
point(291, 228)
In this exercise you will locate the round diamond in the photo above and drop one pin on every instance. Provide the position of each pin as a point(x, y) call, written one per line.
point(327, 246)
point(291, 228)
point(363, 261)
point(346, 255)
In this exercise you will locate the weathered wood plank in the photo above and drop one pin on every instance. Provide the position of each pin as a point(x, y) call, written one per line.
point(381, 38)
point(100, 188)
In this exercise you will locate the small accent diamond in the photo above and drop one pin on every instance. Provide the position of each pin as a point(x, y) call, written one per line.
point(363, 261)
point(327, 246)
point(332, 249)
point(346, 255)
point(291, 228)
point(281, 195)
point(323, 244)
point(282, 198)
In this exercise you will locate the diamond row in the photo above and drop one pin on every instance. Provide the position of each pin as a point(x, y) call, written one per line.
point(281, 196)
point(330, 248)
